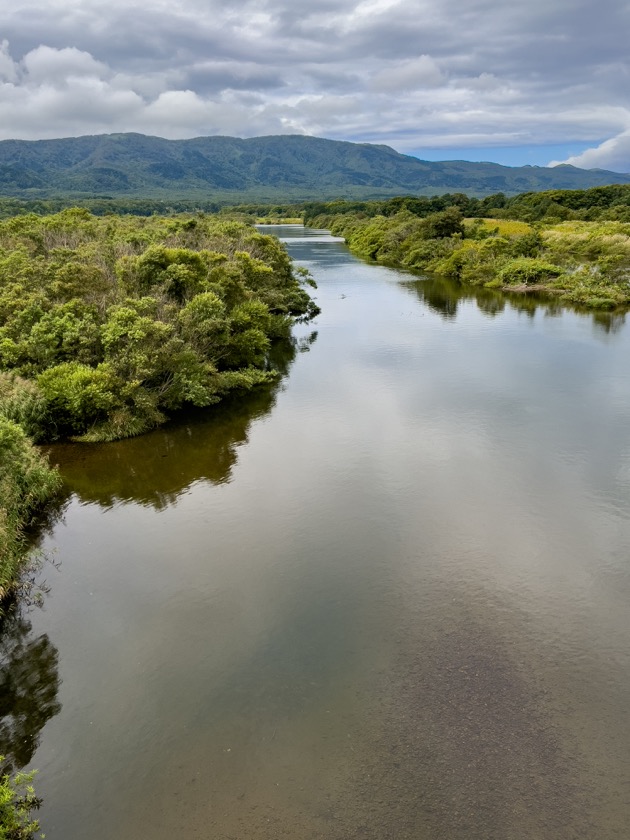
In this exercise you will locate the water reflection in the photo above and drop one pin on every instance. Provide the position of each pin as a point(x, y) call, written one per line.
point(155, 469)
point(443, 295)
point(29, 683)
point(406, 615)
point(609, 322)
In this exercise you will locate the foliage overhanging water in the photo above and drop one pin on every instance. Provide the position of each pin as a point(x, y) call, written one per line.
point(386, 599)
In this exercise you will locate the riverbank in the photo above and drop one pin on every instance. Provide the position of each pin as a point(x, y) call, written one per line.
point(27, 484)
point(586, 264)
point(110, 325)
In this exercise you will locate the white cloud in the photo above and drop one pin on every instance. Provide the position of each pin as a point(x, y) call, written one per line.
point(177, 106)
point(408, 75)
point(613, 154)
point(48, 65)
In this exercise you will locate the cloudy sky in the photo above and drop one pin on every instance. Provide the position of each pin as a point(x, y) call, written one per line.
point(530, 82)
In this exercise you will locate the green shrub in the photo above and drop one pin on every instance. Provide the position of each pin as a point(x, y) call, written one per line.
point(26, 484)
point(22, 401)
point(422, 252)
point(528, 245)
point(527, 271)
point(444, 224)
point(78, 396)
point(17, 801)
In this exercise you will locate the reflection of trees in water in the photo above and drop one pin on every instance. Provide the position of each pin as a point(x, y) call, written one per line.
point(491, 304)
point(156, 468)
point(442, 295)
point(439, 294)
point(29, 683)
point(609, 322)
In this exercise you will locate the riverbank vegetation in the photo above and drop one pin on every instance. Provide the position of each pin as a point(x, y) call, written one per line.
point(27, 483)
point(109, 325)
point(116, 322)
point(578, 262)
point(17, 801)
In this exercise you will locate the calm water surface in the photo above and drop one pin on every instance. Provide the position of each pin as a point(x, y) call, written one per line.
point(388, 599)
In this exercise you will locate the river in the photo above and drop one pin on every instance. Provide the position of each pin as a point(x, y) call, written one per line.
point(388, 598)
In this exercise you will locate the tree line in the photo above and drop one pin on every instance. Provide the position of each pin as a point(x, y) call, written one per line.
point(609, 203)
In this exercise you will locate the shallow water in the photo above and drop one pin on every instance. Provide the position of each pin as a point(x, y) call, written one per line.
point(387, 599)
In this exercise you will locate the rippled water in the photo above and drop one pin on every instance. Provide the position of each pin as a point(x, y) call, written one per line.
point(388, 599)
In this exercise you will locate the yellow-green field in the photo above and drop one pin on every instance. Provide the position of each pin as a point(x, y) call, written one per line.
point(504, 227)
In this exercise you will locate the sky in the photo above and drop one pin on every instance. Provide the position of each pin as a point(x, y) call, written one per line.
point(536, 82)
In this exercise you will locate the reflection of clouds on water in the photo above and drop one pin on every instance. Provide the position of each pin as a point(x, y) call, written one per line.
point(405, 615)
point(155, 469)
point(29, 683)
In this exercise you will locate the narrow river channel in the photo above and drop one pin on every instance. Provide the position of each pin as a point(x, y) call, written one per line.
point(388, 599)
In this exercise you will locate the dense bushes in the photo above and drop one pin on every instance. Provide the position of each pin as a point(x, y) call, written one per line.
point(115, 322)
point(527, 271)
point(584, 263)
point(26, 481)
point(26, 484)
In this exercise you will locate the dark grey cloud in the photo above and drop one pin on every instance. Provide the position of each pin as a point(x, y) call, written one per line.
point(210, 78)
point(412, 73)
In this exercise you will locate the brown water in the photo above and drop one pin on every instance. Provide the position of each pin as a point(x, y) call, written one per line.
point(389, 599)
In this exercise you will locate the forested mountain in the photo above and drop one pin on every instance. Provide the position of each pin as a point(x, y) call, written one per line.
point(276, 167)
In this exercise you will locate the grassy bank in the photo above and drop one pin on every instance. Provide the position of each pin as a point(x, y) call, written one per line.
point(578, 262)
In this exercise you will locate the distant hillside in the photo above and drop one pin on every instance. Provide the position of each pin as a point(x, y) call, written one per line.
point(282, 167)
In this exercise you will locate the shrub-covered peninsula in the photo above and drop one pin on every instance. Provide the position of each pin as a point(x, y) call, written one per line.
point(110, 324)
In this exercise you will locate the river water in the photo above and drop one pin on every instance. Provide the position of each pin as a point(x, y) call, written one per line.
point(386, 599)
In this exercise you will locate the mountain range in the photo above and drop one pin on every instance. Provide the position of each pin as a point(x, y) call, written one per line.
point(259, 168)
